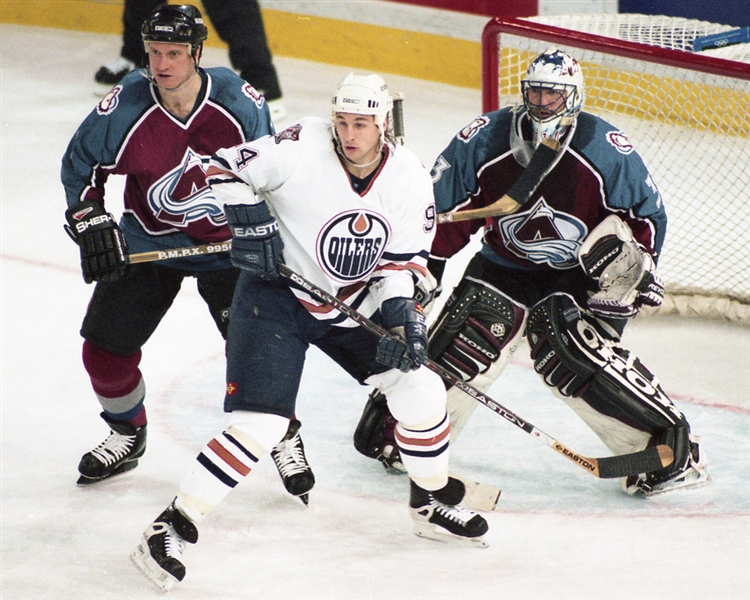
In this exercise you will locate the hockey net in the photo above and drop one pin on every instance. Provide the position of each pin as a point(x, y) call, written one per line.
point(688, 115)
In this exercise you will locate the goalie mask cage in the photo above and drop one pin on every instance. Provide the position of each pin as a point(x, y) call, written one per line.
point(688, 116)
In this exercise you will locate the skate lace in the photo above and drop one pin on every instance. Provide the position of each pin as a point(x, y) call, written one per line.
point(174, 545)
point(289, 457)
point(456, 513)
point(114, 447)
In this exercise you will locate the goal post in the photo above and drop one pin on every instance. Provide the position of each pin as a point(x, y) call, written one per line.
point(688, 115)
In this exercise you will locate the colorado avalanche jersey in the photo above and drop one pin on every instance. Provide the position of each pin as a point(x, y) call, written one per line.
point(167, 202)
point(363, 247)
point(598, 173)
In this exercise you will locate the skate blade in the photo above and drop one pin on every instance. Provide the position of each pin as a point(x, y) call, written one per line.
point(123, 468)
point(433, 532)
point(141, 557)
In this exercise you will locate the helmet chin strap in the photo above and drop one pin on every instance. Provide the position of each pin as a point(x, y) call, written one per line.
point(351, 162)
point(359, 165)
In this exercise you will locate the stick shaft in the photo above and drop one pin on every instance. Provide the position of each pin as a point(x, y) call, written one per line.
point(541, 163)
point(609, 467)
point(142, 257)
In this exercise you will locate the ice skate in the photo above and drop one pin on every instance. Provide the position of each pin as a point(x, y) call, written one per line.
point(160, 551)
point(117, 454)
point(110, 75)
point(693, 474)
point(289, 457)
point(439, 515)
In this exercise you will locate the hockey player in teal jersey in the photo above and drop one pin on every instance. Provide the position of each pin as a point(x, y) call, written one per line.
point(158, 128)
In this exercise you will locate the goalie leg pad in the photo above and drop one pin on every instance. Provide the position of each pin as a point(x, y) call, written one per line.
point(477, 331)
point(574, 357)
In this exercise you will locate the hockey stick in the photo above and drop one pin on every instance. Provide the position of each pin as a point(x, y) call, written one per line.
point(609, 467)
point(479, 496)
point(541, 163)
point(141, 257)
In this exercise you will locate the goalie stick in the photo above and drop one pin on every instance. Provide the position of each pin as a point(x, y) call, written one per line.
point(544, 158)
point(610, 467)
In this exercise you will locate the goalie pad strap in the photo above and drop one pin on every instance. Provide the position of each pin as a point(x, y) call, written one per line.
point(573, 356)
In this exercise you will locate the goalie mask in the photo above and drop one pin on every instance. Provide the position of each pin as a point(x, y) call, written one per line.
point(553, 93)
point(363, 95)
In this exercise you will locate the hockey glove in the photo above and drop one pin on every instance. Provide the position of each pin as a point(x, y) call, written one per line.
point(103, 249)
point(623, 269)
point(405, 347)
point(256, 242)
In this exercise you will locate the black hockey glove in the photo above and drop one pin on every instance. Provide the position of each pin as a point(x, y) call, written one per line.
point(256, 242)
point(104, 253)
point(406, 349)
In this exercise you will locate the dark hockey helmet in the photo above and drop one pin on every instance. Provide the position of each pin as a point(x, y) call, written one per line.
point(175, 24)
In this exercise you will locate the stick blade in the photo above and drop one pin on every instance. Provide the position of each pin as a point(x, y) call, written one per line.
point(480, 497)
point(650, 459)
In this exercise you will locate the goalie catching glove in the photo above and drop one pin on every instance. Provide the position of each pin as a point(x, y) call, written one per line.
point(405, 346)
point(256, 242)
point(103, 249)
point(624, 270)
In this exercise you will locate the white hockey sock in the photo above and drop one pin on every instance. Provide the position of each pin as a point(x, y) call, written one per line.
point(424, 453)
point(228, 459)
point(220, 466)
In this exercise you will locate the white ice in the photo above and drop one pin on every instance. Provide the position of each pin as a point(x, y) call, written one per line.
point(557, 533)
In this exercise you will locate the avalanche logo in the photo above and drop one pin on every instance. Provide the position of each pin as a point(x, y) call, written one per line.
point(544, 236)
point(350, 245)
point(253, 94)
point(109, 103)
point(473, 128)
point(620, 141)
point(290, 133)
point(182, 196)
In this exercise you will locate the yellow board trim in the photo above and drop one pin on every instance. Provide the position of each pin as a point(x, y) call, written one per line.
point(318, 39)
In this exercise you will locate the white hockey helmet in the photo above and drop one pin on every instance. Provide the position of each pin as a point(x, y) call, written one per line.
point(363, 95)
point(557, 71)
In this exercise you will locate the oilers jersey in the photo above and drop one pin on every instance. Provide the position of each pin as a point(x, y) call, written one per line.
point(365, 245)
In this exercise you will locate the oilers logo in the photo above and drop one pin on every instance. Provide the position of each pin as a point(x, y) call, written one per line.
point(351, 244)
point(182, 195)
point(544, 236)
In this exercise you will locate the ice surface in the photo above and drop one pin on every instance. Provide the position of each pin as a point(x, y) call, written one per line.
point(558, 533)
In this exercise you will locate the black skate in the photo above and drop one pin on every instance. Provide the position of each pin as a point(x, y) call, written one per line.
point(289, 457)
point(439, 516)
point(117, 454)
point(159, 553)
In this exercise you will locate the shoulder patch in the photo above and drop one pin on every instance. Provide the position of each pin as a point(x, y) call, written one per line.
point(110, 102)
point(253, 94)
point(290, 133)
point(473, 128)
point(620, 141)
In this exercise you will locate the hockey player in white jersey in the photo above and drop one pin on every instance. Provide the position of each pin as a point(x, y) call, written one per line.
point(353, 213)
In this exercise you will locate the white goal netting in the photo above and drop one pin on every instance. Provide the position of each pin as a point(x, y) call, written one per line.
point(690, 121)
